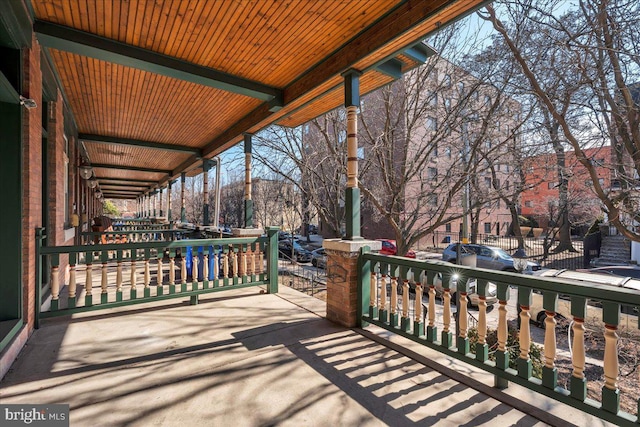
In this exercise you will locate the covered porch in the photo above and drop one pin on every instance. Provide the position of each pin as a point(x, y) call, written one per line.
point(279, 362)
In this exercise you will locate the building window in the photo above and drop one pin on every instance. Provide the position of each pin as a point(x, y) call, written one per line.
point(447, 227)
point(447, 81)
point(601, 182)
point(431, 124)
point(432, 200)
point(487, 228)
point(487, 182)
point(447, 152)
point(435, 150)
point(528, 203)
point(432, 173)
point(432, 99)
point(447, 104)
point(461, 87)
point(551, 185)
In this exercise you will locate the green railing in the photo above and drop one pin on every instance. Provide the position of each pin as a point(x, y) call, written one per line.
point(395, 292)
point(83, 278)
point(131, 234)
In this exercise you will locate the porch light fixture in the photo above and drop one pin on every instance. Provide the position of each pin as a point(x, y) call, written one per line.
point(85, 171)
point(520, 260)
point(98, 195)
point(28, 103)
point(92, 183)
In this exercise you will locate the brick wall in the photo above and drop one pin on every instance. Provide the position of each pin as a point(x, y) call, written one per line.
point(31, 177)
point(342, 289)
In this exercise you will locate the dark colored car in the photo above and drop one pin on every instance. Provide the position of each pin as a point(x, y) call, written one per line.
point(319, 258)
point(490, 257)
point(300, 253)
point(389, 248)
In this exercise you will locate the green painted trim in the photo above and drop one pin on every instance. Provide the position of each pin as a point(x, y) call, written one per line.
point(524, 296)
point(272, 259)
point(11, 333)
point(549, 377)
point(110, 140)
point(610, 313)
point(15, 24)
point(589, 406)
point(93, 46)
point(364, 287)
point(419, 52)
point(392, 68)
point(352, 213)
point(8, 93)
point(550, 301)
point(11, 173)
point(351, 88)
point(573, 288)
point(121, 303)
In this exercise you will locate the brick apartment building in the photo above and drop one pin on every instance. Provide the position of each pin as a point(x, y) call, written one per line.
point(540, 199)
point(452, 123)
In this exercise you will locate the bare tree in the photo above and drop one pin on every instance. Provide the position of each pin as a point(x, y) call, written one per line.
point(590, 91)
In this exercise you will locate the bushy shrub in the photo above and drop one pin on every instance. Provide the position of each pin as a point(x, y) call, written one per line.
point(513, 346)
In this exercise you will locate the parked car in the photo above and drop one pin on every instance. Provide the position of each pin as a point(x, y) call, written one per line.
point(593, 319)
point(389, 248)
point(284, 235)
point(632, 271)
point(472, 297)
point(319, 258)
point(490, 257)
point(300, 253)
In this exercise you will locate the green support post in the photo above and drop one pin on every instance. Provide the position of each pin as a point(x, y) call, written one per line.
point(248, 201)
point(524, 366)
point(611, 319)
point(364, 287)
point(482, 350)
point(40, 236)
point(462, 343)
point(104, 257)
point(432, 331)
point(272, 259)
point(183, 210)
point(550, 375)
point(578, 386)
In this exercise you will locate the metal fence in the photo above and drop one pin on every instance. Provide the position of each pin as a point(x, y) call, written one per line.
point(537, 248)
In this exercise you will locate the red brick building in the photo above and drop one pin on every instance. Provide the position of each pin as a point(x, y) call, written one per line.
point(540, 200)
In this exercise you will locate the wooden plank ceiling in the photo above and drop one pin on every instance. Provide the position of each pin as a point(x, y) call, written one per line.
point(155, 86)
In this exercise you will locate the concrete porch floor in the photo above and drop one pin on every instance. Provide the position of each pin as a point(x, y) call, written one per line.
point(241, 358)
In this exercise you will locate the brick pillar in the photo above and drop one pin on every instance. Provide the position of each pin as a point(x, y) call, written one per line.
point(343, 298)
point(31, 177)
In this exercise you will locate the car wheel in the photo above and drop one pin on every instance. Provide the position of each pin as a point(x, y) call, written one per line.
point(540, 319)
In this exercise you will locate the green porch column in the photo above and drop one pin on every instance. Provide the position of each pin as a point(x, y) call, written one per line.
point(352, 192)
point(169, 184)
point(183, 211)
point(248, 203)
point(160, 205)
point(206, 165)
point(155, 202)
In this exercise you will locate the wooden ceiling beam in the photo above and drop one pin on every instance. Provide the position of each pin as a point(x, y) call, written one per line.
point(129, 168)
point(110, 140)
point(90, 45)
point(403, 18)
point(145, 182)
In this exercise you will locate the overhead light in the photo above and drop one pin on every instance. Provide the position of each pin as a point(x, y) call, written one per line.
point(98, 195)
point(85, 170)
point(28, 102)
point(92, 183)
